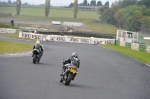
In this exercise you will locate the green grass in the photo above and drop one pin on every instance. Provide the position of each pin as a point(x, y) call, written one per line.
point(141, 56)
point(59, 14)
point(15, 35)
point(54, 12)
point(8, 26)
point(90, 26)
point(9, 47)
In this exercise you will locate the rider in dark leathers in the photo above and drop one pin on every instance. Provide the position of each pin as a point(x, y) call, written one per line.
point(72, 60)
point(38, 46)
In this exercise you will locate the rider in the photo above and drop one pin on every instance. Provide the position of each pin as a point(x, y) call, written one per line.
point(38, 46)
point(72, 60)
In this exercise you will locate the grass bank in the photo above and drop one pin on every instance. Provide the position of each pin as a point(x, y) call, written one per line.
point(8, 26)
point(141, 56)
point(36, 13)
point(15, 35)
point(54, 12)
point(10, 47)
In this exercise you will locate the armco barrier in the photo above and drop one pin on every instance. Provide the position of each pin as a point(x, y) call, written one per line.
point(58, 38)
point(83, 34)
point(142, 47)
point(134, 46)
point(7, 30)
point(30, 36)
point(122, 43)
point(148, 49)
point(128, 45)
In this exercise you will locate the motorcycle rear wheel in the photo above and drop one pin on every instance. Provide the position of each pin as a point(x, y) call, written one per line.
point(34, 59)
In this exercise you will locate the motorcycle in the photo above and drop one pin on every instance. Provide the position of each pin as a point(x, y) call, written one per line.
point(36, 56)
point(69, 74)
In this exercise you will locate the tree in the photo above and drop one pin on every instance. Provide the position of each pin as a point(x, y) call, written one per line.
point(47, 7)
point(99, 3)
point(75, 6)
point(145, 27)
point(9, 2)
point(107, 4)
point(144, 2)
point(18, 6)
point(105, 14)
point(85, 3)
point(14, 2)
point(93, 2)
point(71, 5)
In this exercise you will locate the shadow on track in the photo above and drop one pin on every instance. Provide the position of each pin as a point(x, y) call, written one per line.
point(44, 64)
point(89, 87)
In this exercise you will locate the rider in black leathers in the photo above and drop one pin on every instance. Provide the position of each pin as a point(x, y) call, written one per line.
point(72, 60)
point(38, 46)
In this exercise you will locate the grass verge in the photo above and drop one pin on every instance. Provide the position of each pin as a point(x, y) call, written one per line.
point(8, 26)
point(141, 56)
point(10, 47)
point(15, 35)
point(32, 13)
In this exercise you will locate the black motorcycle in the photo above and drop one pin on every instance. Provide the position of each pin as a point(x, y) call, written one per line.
point(69, 74)
point(36, 56)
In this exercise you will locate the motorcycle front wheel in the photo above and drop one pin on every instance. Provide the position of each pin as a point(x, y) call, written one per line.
point(68, 80)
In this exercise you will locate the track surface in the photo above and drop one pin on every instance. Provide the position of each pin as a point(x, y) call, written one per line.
point(104, 74)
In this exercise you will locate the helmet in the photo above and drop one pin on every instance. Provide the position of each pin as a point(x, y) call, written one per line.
point(37, 42)
point(74, 54)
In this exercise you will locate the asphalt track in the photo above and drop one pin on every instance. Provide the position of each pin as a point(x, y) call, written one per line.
point(104, 74)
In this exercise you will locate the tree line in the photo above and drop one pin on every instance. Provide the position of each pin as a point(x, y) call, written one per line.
point(131, 15)
point(94, 3)
point(10, 2)
point(91, 3)
point(47, 7)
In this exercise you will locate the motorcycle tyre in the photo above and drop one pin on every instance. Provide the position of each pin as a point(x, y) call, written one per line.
point(34, 59)
point(68, 80)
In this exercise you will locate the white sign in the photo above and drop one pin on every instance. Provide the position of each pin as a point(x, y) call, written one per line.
point(30, 35)
point(73, 24)
point(57, 38)
point(147, 38)
point(56, 23)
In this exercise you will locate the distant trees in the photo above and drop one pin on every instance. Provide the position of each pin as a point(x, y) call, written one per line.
point(85, 3)
point(93, 2)
point(99, 3)
point(14, 2)
point(132, 15)
point(75, 8)
point(144, 2)
point(107, 4)
point(9, 2)
point(18, 6)
point(71, 5)
point(47, 7)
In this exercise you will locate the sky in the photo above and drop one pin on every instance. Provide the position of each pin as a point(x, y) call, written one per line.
point(59, 2)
